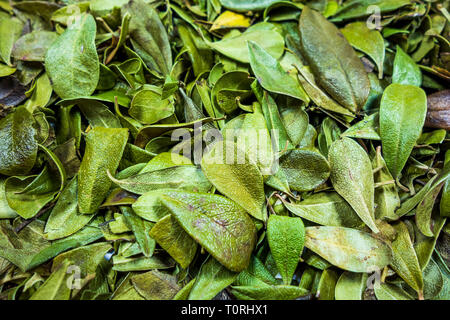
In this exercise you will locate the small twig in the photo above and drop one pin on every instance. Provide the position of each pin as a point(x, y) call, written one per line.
point(24, 224)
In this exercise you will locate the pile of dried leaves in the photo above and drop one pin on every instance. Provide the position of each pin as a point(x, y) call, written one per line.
point(256, 149)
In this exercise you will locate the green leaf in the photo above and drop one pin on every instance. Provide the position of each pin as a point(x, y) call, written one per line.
point(326, 208)
point(348, 249)
point(405, 70)
point(104, 149)
point(286, 237)
point(386, 196)
point(350, 286)
point(64, 219)
point(352, 178)
point(402, 115)
point(184, 177)
point(386, 291)
point(368, 128)
point(75, 51)
point(141, 230)
point(148, 107)
point(366, 40)
point(212, 278)
point(18, 149)
point(55, 287)
point(305, 170)
point(327, 285)
point(271, 75)
point(149, 37)
point(333, 61)
point(155, 285)
point(29, 249)
point(230, 171)
point(358, 8)
point(10, 31)
point(217, 224)
point(172, 238)
point(28, 195)
point(405, 262)
point(33, 46)
point(264, 34)
point(269, 293)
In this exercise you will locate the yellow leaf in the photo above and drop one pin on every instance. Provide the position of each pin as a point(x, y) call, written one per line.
point(230, 19)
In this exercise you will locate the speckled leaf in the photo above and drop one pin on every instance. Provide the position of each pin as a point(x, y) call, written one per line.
point(404, 261)
point(230, 171)
point(366, 40)
point(172, 238)
point(33, 46)
point(104, 149)
point(402, 115)
point(217, 224)
point(141, 230)
point(10, 31)
point(147, 107)
point(286, 237)
point(74, 51)
point(271, 75)
point(269, 293)
point(333, 61)
point(55, 287)
point(212, 278)
point(405, 70)
point(155, 285)
point(352, 178)
point(18, 149)
point(305, 170)
point(348, 249)
point(185, 177)
point(149, 36)
point(326, 208)
point(64, 219)
point(386, 291)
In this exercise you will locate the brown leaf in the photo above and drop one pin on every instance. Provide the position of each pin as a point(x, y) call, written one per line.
point(438, 114)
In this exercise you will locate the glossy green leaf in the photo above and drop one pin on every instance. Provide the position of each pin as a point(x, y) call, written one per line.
point(402, 115)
